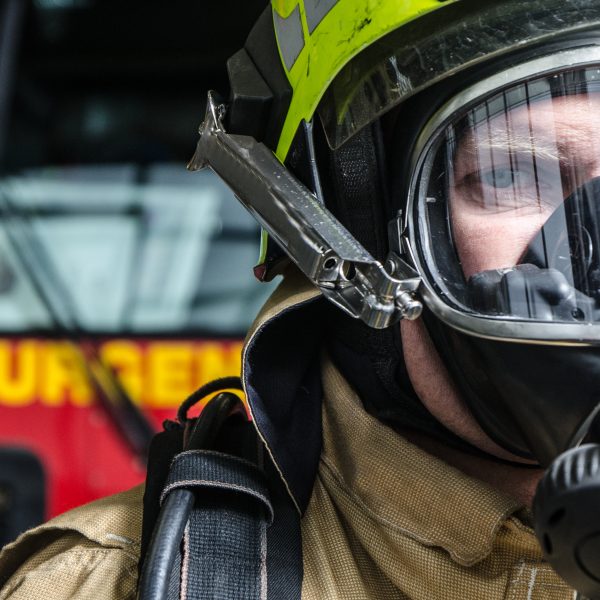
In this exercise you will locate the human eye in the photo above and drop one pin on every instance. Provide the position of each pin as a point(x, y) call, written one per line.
point(506, 177)
point(504, 187)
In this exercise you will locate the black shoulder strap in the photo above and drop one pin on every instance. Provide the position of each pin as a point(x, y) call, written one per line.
point(218, 522)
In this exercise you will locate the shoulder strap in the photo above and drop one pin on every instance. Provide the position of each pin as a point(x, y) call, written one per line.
point(222, 524)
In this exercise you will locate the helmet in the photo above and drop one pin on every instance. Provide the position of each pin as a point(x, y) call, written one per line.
point(422, 157)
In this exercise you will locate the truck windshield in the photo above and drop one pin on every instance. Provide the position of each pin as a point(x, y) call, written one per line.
point(101, 223)
point(126, 248)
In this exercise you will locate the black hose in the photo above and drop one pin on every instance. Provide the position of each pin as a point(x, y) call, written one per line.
point(209, 388)
point(175, 512)
point(164, 545)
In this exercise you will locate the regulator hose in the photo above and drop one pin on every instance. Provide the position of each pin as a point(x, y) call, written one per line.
point(175, 512)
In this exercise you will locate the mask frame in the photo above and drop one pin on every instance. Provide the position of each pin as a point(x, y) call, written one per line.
point(414, 240)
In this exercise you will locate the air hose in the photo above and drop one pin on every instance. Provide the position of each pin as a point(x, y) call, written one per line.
point(175, 512)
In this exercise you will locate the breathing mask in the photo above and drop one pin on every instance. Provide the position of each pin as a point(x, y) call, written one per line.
point(488, 186)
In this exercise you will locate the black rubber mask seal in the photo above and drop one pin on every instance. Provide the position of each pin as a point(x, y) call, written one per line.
point(533, 399)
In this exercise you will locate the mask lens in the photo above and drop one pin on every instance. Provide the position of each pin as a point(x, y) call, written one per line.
point(509, 211)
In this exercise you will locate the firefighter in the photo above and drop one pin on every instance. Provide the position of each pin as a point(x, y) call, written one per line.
point(431, 171)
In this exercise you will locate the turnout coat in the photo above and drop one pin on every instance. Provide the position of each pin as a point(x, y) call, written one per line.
point(381, 518)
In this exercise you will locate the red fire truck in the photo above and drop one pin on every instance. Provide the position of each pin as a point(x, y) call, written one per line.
point(125, 281)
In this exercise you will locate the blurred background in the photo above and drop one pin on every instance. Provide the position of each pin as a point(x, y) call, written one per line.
point(125, 281)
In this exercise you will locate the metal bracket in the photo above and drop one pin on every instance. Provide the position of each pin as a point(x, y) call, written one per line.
point(315, 240)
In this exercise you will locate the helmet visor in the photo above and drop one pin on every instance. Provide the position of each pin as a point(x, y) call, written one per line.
point(507, 207)
point(434, 47)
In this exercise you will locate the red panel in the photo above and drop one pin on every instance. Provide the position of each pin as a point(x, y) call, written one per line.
point(47, 406)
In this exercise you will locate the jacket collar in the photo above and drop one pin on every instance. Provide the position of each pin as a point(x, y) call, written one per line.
point(281, 371)
point(402, 487)
point(281, 377)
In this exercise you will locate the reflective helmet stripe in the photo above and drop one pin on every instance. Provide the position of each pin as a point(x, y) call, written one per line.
point(290, 36)
point(316, 11)
point(316, 38)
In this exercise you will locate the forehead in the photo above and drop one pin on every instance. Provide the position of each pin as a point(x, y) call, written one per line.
point(496, 116)
point(546, 127)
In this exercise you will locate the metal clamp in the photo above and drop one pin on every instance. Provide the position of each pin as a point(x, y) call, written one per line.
point(315, 240)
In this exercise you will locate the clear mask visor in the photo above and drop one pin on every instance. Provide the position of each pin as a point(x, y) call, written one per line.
point(508, 208)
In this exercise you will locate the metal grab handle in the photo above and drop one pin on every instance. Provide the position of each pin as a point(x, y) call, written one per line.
point(315, 240)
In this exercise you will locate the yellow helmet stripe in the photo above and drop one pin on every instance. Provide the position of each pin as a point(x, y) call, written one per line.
point(333, 32)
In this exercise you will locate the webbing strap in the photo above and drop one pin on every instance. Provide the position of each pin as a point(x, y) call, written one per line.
point(224, 551)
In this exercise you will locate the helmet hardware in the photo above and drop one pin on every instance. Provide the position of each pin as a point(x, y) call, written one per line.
point(315, 240)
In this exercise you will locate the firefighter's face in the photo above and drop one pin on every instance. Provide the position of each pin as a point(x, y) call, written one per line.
point(508, 177)
point(511, 173)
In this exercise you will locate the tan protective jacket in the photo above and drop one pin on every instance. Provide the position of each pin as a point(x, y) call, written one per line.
point(385, 520)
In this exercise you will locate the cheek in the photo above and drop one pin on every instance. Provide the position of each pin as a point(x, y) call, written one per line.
point(493, 241)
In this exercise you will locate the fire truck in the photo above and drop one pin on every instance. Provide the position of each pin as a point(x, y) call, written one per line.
point(125, 281)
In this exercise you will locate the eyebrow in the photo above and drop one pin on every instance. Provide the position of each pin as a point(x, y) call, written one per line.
point(518, 143)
